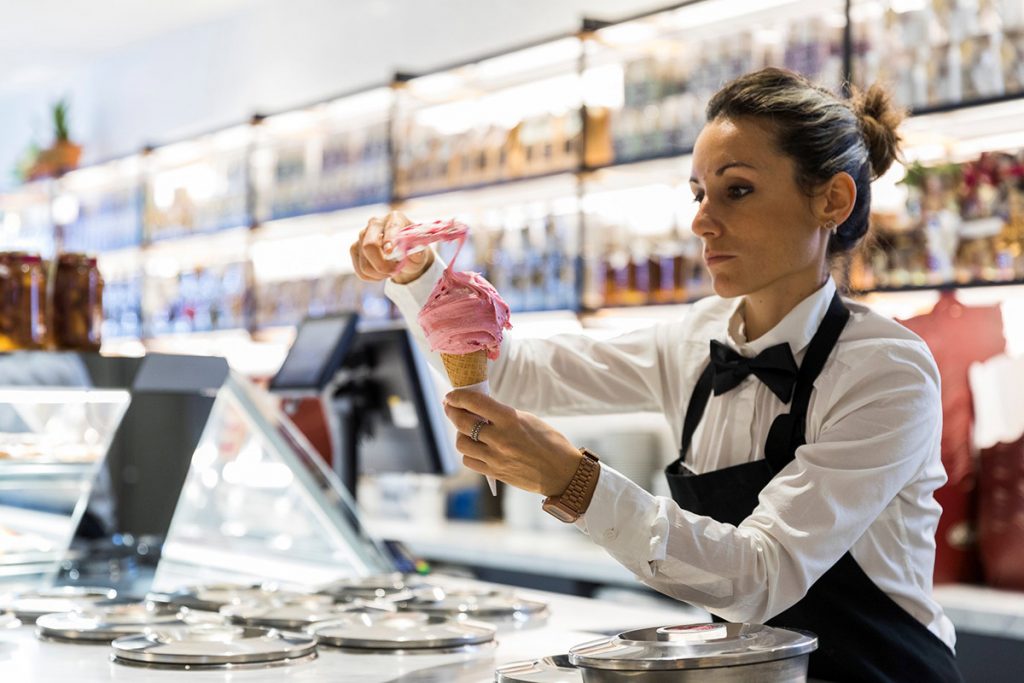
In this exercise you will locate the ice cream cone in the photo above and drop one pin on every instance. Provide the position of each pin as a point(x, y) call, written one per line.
point(465, 369)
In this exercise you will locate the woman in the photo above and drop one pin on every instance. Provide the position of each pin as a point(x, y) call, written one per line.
point(809, 431)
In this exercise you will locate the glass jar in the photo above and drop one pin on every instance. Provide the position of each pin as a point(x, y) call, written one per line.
point(22, 301)
point(77, 303)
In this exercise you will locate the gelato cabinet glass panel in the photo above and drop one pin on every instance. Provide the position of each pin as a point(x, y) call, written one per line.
point(52, 443)
point(258, 502)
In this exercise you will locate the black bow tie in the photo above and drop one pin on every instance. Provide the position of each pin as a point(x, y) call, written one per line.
point(774, 366)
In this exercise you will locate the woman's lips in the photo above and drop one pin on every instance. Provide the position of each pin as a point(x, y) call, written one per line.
point(712, 258)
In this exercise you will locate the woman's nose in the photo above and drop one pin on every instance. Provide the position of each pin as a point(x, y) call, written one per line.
point(704, 225)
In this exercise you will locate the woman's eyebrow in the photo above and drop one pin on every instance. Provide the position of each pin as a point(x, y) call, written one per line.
point(726, 167)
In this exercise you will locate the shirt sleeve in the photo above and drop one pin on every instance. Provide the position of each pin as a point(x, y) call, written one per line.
point(873, 440)
point(568, 374)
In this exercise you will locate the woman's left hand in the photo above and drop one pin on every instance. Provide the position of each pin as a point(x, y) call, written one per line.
point(515, 447)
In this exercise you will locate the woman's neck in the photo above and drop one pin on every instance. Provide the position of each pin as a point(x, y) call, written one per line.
point(765, 308)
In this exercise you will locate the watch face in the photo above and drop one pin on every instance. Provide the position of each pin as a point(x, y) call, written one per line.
point(559, 513)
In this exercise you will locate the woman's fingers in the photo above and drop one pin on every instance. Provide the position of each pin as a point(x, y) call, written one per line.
point(474, 449)
point(372, 247)
point(480, 404)
point(464, 420)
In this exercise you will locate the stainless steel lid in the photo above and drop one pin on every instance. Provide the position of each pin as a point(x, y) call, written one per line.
point(213, 646)
point(401, 631)
point(554, 669)
point(211, 597)
point(31, 605)
point(692, 646)
point(288, 614)
point(480, 604)
point(104, 624)
point(393, 586)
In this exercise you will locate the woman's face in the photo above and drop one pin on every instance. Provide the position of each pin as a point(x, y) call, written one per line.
point(758, 227)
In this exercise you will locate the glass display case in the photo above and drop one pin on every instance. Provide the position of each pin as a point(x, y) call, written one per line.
point(153, 472)
point(259, 503)
point(53, 441)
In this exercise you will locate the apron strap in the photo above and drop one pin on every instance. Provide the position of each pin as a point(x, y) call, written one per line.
point(695, 411)
point(788, 431)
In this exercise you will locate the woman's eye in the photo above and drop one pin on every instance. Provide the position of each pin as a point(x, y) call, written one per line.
point(698, 197)
point(739, 191)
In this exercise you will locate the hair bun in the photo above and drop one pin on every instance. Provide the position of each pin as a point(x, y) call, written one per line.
point(879, 122)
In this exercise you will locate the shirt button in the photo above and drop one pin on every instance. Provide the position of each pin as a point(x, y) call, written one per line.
point(611, 534)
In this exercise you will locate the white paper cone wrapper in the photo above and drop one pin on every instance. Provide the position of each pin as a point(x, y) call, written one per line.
point(486, 391)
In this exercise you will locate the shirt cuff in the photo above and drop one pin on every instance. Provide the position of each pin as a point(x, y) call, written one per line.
point(628, 522)
point(416, 293)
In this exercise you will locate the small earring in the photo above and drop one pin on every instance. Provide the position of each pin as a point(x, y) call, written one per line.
point(830, 225)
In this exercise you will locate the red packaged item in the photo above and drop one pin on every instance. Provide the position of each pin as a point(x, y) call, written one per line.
point(1001, 514)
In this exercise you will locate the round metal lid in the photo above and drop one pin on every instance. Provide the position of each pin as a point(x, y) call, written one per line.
point(554, 669)
point(291, 614)
point(475, 603)
point(400, 631)
point(212, 646)
point(211, 597)
point(692, 646)
point(104, 624)
point(31, 605)
point(393, 586)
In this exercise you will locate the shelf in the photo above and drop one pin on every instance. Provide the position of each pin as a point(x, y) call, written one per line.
point(31, 469)
point(476, 187)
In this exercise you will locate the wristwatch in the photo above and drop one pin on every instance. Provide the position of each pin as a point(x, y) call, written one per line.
point(571, 503)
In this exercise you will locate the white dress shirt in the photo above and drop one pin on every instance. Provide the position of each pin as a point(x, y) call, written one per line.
point(863, 482)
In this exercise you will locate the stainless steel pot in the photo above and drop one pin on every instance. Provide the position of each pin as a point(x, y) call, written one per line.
point(730, 653)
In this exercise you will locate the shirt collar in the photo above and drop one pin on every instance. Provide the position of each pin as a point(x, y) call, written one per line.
point(796, 328)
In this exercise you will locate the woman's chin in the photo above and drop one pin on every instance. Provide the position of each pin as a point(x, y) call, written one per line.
point(726, 287)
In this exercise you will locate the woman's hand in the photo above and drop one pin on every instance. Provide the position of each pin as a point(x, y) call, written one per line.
point(369, 252)
point(516, 447)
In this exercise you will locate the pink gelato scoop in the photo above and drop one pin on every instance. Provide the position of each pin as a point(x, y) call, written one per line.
point(417, 236)
point(464, 312)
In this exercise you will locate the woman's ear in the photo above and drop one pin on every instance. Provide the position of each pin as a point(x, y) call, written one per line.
point(836, 199)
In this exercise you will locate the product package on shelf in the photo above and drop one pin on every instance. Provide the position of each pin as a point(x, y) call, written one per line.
point(100, 207)
point(938, 52)
point(961, 223)
point(197, 299)
point(668, 66)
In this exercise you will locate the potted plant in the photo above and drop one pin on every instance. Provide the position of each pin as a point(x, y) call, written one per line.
point(63, 155)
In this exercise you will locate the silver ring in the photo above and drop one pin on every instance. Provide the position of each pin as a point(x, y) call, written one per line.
point(475, 434)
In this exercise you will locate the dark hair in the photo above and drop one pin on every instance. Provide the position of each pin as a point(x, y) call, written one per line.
point(824, 134)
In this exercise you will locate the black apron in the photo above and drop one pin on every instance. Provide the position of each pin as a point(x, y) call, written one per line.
point(862, 634)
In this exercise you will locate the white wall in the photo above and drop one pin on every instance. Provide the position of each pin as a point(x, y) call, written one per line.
point(271, 55)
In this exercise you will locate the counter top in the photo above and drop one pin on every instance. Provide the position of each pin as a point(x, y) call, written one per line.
point(23, 657)
point(567, 553)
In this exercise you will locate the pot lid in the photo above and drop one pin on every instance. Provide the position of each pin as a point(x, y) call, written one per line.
point(213, 645)
point(290, 614)
point(401, 631)
point(394, 586)
point(31, 605)
point(692, 646)
point(475, 603)
point(554, 669)
point(211, 597)
point(104, 624)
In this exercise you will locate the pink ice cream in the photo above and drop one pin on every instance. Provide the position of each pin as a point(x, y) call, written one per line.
point(417, 236)
point(464, 314)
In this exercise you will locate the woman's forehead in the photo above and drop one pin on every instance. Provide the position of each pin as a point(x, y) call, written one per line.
point(738, 142)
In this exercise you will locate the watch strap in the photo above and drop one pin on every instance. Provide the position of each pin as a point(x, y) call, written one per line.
point(578, 494)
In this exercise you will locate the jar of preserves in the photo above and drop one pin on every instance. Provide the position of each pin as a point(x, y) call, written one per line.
point(22, 301)
point(77, 303)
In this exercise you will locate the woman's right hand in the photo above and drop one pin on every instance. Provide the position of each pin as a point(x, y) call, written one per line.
point(369, 252)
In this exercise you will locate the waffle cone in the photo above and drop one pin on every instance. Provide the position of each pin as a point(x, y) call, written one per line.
point(465, 369)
